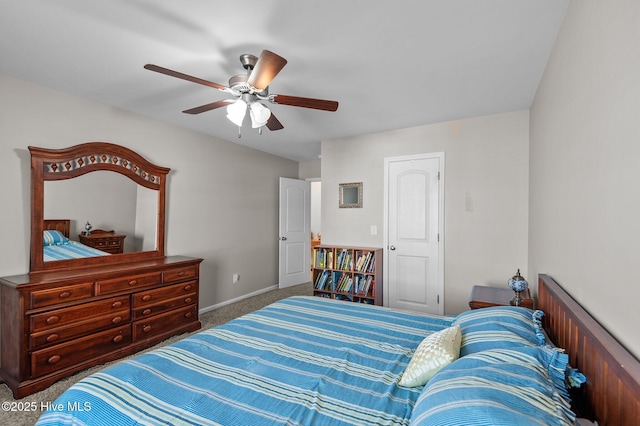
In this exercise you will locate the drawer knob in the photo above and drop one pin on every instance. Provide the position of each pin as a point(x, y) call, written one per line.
point(187, 300)
point(116, 320)
point(188, 314)
point(133, 282)
point(181, 273)
point(146, 297)
point(146, 328)
point(52, 337)
point(146, 311)
point(187, 287)
point(118, 338)
point(53, 359)
point(53, 319)
point(116, 304)
point(64, 294)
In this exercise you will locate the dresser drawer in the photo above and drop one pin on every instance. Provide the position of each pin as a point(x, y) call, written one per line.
point(179, 274)
point(106, 242)
point(162, 323)
point(109, 245)
point(81, 328)
point(150, 297)
point(76, 351)
point(125, 283)
point(164, 306)
point(53, 296)
point(76, 314)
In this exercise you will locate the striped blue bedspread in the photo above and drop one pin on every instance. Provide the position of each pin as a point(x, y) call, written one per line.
point(70, 250)
point(299, 361)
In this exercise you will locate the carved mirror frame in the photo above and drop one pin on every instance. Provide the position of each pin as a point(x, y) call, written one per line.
point(68, 163)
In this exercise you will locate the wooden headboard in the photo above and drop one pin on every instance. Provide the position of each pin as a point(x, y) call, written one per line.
point(612, 391)
point(61, 225)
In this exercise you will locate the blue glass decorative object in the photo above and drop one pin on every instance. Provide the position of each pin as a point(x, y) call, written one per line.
point(518, 284)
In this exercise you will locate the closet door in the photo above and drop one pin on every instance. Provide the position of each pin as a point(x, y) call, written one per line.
point(414, 233)
point(295, 232)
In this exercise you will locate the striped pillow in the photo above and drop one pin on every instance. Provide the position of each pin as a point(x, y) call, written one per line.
point(54, 238)
point(518, 386)
point(499, 327)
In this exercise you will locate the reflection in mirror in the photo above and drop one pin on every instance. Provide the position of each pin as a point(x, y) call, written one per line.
point(109, 201)
point(350, 195)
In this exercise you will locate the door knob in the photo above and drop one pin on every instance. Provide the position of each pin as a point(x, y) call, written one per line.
point(392, 247)
point(283, 238)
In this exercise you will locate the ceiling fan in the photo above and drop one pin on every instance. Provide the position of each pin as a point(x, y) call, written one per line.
point(250, 90)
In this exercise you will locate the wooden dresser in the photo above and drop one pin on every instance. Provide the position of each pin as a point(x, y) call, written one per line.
point(55, 323)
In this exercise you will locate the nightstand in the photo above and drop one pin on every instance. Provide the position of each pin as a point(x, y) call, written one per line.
point(107, 241)
point(484, 297)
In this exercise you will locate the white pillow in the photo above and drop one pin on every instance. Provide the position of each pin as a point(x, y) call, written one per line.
point(434, 352)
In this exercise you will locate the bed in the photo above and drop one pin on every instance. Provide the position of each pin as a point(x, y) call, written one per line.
point(57, 244)
point(314, 361)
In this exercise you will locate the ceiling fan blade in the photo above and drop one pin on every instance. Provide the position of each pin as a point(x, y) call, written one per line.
point(177, 74)
point(208, 107)
point(305, 102)
point(268, 66)
point(273, 123)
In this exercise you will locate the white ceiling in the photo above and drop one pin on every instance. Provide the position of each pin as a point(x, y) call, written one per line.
point(390, 64)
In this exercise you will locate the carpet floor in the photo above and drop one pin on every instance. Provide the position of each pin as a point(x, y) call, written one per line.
point(20, 413)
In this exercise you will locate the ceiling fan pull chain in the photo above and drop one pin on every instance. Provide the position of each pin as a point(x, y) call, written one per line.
point(239, 132)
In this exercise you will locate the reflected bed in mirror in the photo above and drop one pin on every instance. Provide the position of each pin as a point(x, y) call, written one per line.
point(59, 246)
point(109, 186)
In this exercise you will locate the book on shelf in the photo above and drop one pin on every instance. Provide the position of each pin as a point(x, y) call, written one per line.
point(345, 283)
point(322, 280)
point(371, 266)
point(363, 285)
point(344, 260)
point(322, 258)
point(364, 262)
point(339, 259)
point(344, 297)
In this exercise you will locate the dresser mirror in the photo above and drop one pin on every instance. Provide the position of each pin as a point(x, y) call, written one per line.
point(109, 186)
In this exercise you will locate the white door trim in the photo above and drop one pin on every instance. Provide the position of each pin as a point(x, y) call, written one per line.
point(441, 157)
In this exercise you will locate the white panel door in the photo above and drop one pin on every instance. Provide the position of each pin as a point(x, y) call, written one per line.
point(414, 276)
point(295, 232)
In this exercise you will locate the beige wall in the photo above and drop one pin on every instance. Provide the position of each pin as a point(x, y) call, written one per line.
point(585, 152)
point(309, 169)
point(486, 195)
point(222, 197)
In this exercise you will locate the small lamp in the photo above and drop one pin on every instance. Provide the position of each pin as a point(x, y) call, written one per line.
point(518, 284)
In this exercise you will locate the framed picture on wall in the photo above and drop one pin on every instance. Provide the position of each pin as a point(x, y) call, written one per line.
point(350, 195)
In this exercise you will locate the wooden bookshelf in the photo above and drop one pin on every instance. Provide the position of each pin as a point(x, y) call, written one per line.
point(353, 274)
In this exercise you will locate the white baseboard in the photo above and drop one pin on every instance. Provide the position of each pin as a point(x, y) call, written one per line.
point(219, 305)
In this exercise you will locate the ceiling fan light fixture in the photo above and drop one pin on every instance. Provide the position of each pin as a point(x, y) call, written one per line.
point(248, 89)
point(236, 112)
point(259, 114)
